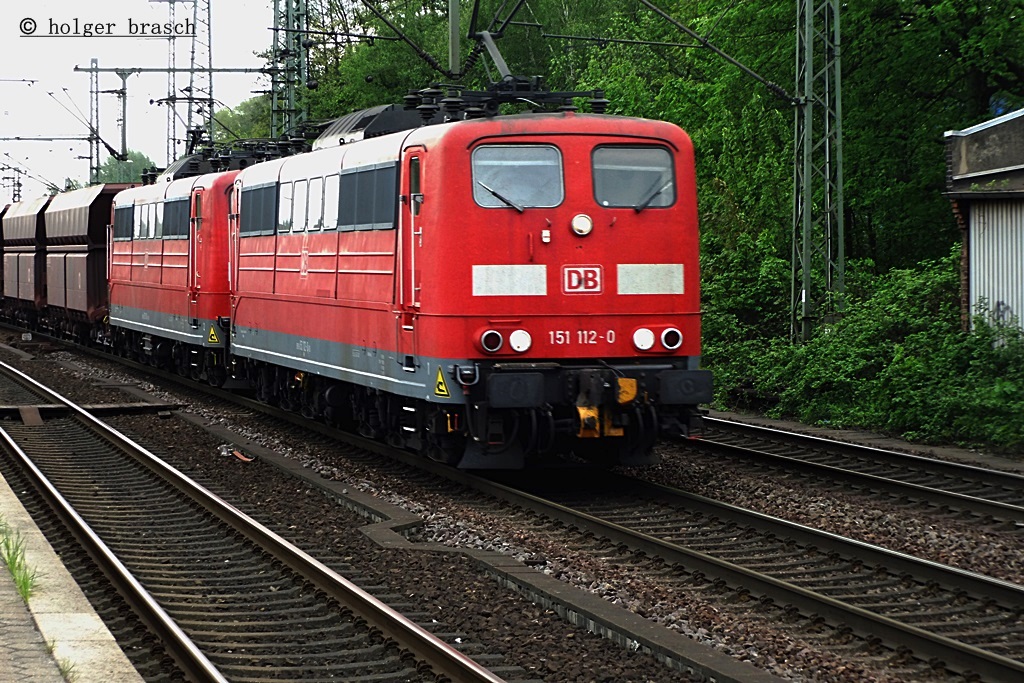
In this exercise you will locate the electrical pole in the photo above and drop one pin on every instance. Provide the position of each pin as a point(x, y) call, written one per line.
point(200, 78)
point(289, 68)
point(453, 36)
point(123, 73)
point(14, 180)
point(94, 122)
point(819, 258)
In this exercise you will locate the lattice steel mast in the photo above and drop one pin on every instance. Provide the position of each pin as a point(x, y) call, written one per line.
point(200, 78)
point(288, 66)
point(819, 257)
point(94, 122)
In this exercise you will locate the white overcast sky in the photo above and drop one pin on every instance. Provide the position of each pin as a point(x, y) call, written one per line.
point(240, 29)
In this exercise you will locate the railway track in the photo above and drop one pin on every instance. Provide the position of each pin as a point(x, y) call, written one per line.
point(949, 487)
point(947, 618)
point(968, 623)
point(229, 599)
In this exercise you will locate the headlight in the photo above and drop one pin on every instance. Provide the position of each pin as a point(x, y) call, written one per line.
point(643, 339)
point(520, 341)
point(582, 224)
point(671, 338)
point(491, 341)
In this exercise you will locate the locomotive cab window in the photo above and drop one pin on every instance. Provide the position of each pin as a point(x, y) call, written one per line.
point(517, 176)
point(634, 177)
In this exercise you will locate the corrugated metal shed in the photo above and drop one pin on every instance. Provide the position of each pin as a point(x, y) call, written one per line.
point(985, 181)
point(997, 258)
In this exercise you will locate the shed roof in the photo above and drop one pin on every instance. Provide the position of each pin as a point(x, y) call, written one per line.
point(987, 158)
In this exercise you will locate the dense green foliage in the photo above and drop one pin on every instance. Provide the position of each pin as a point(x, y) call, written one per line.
point(912, 69)
point(897, 363)
point(250, 119)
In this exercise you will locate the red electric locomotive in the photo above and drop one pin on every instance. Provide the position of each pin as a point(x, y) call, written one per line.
point(484, 291)
point(168, 275)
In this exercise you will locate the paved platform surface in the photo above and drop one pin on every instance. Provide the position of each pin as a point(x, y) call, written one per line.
point(58, 628)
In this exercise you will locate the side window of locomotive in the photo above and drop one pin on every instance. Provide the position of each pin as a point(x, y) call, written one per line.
point(332, 190)
point(175, 224)
point(141, 221)
point(284, 208)
point(385, 196)
point(299, 206)
point(157, 220)
point(634, 177)
point(315, 221)
point(258, 210)
point(517, 176)
point(369, 195)
point(124, 222)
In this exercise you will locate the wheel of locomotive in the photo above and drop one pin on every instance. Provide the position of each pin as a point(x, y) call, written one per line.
point(216, 374)
point(367, 413)
point(439, 444)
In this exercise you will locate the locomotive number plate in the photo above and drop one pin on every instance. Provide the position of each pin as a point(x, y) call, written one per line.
point(563, 337)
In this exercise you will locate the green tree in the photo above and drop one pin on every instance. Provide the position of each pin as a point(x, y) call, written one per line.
point(127, 171)
point(249, 120)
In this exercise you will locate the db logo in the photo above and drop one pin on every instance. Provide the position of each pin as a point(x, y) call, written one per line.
point(582, 279)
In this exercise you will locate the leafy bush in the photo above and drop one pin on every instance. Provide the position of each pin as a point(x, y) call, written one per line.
point(898, 362)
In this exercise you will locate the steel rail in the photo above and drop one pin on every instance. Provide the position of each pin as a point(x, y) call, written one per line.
point(992, 477)
point(441, 657)
point(940, 497)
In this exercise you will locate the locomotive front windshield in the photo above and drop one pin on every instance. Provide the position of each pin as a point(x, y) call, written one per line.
point(517, 176)
point(635, 177)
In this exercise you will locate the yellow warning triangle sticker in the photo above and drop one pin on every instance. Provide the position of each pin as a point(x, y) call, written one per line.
point(212, 338)
point(440, 386)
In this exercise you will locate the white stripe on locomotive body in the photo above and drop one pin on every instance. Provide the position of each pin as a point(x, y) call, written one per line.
point(311, 165)
point(510, 280)
point(169, 325)
point(263, 173)
point(650, 278)
point(363, 365)
point(531, 280)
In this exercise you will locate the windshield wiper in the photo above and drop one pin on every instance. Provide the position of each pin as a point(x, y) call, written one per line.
point(503, 198)
point(651, 195)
